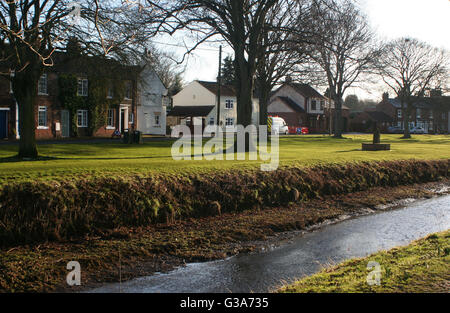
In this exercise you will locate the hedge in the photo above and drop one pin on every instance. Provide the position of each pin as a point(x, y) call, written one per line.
point(48, 211)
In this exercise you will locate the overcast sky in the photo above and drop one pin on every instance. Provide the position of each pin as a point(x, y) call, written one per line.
point(426, 20)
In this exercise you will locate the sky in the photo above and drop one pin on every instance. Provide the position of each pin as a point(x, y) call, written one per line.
point(426, 20)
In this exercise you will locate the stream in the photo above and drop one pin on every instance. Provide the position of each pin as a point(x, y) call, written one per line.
point(304, 255)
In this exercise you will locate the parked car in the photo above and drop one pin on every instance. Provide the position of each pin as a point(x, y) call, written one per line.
point(279, 125)
point(395, 130)
point(417, 130)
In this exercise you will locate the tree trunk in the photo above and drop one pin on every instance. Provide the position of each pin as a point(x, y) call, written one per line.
point(25, 92)
point(244, 97)
point(244, 94)
point(406, 132)
point(338, 118)
point(263, 104)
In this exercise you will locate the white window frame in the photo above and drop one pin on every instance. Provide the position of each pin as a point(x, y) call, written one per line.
point(211, 121)
point(229, 121)
point(315, 105)
point(42, 79)
point(42, 110)
point(130, 118)
point(157, 120)
point(229, 104)
point(110, 119)
point(84, 123)
point(83, 87)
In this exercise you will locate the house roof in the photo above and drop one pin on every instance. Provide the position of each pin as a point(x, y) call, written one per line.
point(306, 90)
point(422, 103)
point(378, 116)
point(225, 90)
point(292, 104)
point(195, 111)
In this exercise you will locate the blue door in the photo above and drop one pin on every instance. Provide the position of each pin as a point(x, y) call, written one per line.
point(3, 124)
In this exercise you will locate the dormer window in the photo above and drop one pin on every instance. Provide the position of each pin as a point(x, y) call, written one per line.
point(313, 105)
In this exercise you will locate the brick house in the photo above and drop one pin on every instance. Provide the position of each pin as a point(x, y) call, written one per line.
point(365, 121)
point(54, 119)
point(300, 105)
point(431, 112)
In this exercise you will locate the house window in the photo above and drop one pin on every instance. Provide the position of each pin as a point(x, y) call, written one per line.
point(131, 118)
point(42, 116)
point(42, 85)
point(322, 105)
point(418, 113)
point(157, 120)
point(313, 105)
point(13, 73)
point(82, 118)
point(211, 121)
point(399, 114)
point(229, 104)
point(82, 87)
point(110, 92)
point(110, 121)
point(229, 121)
point(128, 89)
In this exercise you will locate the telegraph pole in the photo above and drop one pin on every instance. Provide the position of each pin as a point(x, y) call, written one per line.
point(219, 83)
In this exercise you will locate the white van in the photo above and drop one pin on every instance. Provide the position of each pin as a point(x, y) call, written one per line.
point(278, 124)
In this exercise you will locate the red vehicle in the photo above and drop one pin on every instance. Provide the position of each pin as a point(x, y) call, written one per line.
point(298, 130)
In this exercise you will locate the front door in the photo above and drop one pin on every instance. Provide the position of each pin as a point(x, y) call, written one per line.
point(122, 121)
point(3, 124)
point(65, 123)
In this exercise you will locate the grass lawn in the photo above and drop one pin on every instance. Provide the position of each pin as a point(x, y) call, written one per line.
point(420, 267)
point(75, 160)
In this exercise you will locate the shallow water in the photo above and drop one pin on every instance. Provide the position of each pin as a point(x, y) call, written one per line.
point(304, 255)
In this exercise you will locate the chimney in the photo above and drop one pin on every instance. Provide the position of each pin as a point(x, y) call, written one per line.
point(385, 96)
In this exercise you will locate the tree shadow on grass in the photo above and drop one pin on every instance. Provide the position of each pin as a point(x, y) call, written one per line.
point(16, 159)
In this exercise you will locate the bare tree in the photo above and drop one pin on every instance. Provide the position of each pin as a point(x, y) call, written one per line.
point(240, 23)
point(341, 49)
point(409, 67)
point(32, 30)
point(277, 58)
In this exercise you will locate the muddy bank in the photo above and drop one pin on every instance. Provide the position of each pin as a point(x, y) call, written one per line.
point(130, 252)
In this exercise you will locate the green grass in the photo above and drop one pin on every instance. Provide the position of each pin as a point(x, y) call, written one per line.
point(75, 160)
point(423, 266)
